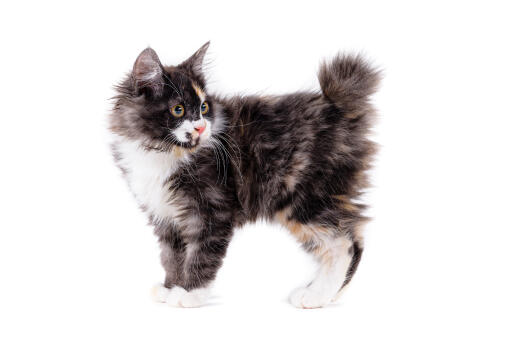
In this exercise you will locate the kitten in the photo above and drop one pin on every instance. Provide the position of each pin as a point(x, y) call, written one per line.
point(200, 165)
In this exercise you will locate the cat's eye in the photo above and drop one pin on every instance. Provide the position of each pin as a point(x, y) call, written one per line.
point(204, 108)
point(178, 110)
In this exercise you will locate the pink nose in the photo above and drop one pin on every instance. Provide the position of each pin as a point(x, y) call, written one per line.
point(200, 129)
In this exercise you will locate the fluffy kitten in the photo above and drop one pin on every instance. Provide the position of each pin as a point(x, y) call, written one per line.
point(200, 165)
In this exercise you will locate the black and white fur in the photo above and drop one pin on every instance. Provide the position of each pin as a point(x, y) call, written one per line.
point(298, 159)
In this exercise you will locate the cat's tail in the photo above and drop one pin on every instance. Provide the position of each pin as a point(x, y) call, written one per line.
point(348, 80)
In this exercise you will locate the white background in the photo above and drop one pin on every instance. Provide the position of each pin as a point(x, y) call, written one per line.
point(77, 259)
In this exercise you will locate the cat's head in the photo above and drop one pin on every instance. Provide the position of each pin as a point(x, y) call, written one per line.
point(166, 107)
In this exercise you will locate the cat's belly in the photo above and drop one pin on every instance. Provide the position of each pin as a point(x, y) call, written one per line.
point(147, 174)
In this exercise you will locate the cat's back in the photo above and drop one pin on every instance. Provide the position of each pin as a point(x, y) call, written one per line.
point(296, 144)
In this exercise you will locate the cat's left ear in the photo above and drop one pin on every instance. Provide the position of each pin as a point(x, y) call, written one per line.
point(148, 73)
point(194, 64)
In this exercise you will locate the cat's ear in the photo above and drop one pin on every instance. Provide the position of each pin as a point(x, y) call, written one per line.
point(148, 72)
point(194, 64)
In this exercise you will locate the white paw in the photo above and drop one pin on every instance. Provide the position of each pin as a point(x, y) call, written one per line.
point(179, 297)
point(159, 293)
point(308, 298)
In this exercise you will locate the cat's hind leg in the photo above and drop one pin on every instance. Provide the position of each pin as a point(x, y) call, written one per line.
point(334, 260)
point(335, 254)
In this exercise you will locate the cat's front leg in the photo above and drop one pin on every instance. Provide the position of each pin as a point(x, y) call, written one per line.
point(198, 261)
point(172, 254)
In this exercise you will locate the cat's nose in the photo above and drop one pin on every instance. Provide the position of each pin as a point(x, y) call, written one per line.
point(200, 128)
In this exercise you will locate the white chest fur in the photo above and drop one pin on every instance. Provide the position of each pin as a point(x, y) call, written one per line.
point(147, 173)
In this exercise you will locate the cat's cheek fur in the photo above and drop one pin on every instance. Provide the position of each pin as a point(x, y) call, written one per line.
point(182, 131)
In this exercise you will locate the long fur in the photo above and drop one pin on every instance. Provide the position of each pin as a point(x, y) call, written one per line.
point(299, 159)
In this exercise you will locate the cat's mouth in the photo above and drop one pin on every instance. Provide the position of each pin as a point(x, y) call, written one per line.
point(166, 146)
point(195, 140)
point(193, 143)
point(170, 142)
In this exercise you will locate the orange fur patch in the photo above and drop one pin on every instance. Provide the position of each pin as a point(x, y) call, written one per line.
point(200, 93)
point(317, 235)
point(180, 152)
point(345, 203)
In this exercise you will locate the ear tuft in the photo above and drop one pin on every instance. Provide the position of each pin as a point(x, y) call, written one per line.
point(148, 71)
point(194, 64)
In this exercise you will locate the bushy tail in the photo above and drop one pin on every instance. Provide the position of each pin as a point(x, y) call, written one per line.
point(348, 80)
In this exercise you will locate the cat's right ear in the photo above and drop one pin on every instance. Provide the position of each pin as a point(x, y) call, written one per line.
point(148, 73)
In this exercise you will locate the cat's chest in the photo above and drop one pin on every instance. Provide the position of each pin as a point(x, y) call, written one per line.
point(147, 174)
